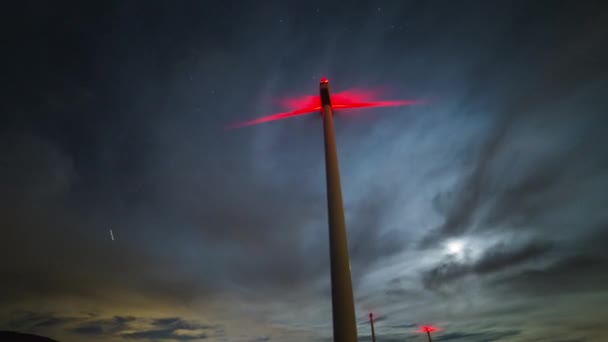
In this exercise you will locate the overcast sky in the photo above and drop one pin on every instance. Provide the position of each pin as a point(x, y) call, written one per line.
point(482, 211)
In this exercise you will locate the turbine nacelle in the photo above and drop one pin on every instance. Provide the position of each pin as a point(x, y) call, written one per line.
point(324, 88)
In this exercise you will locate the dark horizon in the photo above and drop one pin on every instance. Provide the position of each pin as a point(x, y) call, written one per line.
point(13, 336)
point(129, 213)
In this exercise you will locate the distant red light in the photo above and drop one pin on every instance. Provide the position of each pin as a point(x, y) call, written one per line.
point(324, 80)
point(428, 329)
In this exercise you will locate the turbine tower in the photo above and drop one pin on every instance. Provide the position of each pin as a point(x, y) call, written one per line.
point(343, 304)
point(371, 323)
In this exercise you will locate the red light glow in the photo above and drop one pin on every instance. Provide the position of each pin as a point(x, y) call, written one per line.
point(311, 104)
point(324, 80)
point(428, 329)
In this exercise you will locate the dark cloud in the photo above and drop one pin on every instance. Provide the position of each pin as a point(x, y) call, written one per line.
point(175, 328)
point(380, 318)
point(516, 181)
point(528, 189)
point(501, 256)
point(37, 321)
point(179, 323)
point(576, 274)
point(398, 292)
point(369, 241)
point(496, 258)
point(383, 338)
point(159, 334)
point(127, 326)
point(232, 220)
point(89, 329)
point(113, 325)
point(482, 336)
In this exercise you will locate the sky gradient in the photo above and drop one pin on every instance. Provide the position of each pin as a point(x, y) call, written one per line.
point(481, 211)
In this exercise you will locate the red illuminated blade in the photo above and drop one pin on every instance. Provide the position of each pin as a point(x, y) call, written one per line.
point(375, 104)
point(310, 104)
point(275, 117)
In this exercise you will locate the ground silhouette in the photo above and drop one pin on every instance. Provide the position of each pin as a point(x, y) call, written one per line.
point(13, 336)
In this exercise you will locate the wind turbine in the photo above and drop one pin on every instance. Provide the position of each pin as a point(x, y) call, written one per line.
point(428, 329)
point(343, 306)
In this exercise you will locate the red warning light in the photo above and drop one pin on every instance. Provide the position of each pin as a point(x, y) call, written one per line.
point(428, 329)
point(324, 80)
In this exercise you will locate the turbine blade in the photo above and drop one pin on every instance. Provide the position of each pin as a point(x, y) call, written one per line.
point(274, 117)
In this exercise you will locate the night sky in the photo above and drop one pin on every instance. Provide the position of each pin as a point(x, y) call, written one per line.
point(481, 211)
